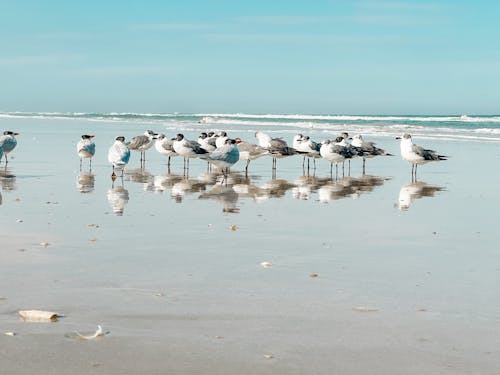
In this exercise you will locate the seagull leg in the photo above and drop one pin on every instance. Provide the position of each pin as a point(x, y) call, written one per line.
point(364, 162)
point(246, 168)
point(80, 164)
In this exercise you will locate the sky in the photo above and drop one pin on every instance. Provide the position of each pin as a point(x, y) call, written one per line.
point(259, 56)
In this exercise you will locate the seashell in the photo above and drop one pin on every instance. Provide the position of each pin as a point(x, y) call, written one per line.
point(9, 333)
point(44, 244)
point(313, 275)
point(365, 309)
point(266, 264)
point(233, 228)
point(38, 316)
point(268, 356)
point(99, 332)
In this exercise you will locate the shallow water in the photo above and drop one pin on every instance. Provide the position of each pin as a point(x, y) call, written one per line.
point(157, 245)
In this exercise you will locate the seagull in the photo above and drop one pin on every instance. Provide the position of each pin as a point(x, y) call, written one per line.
point(311, 150)
point(221, 139)
point(368, 149)
point(8, 142)
point(141, 143)
point(187, 149)
point(334, 153)
point(208, 143)
point(86, 149)
point(417, 155)
point(276, 146)
point(118, 155)
point(165, 146)
point(249, 151)
point(223, 157)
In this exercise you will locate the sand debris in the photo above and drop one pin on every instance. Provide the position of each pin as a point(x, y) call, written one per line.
point(313, 275)
point(98, 333)
point(365, 309)
point(234, 228)
point(39, 316)
point(266, 264)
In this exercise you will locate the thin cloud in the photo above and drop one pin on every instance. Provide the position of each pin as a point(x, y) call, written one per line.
point(31, 60)
point(128, 70)
point(398, 5)
point(299, 38)
point(282, 20)
point(172, 26)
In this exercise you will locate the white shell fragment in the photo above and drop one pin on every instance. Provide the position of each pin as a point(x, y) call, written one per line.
point(9, 333)
point(365, 309)
point(266, 264)
point(38, 316)
point(99, 332)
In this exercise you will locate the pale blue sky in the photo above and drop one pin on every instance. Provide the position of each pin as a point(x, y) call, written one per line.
point(259, 56)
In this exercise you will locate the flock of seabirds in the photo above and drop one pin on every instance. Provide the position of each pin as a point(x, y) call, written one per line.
point(224, 152)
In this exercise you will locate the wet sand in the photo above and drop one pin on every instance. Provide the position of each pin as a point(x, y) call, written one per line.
point(407, 274)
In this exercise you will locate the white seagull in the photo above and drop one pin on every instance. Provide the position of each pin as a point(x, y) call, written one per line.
point(416, 155)
point(118, 155)
point(335, 153)
point(249, 151)
point(8, 142)
point(165, 146)
point(277, 147)
point(86, 149)
point(141, 143)
point(368, 149)
point(223, 157)
point(187, 149)
point(221, 139)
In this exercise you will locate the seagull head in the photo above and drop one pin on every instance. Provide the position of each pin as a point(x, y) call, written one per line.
point(179, 137)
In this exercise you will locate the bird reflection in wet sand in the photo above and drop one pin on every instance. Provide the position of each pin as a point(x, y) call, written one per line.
point(164, 182)
point(118, 198)
point(224, 195)
point(85, 182)
point(141, 176)
point(307, 185)
point(346, 187)
point(416, 190)
point(186, 186)
point(7, 179)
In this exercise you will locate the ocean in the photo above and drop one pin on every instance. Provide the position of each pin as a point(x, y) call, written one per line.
point(452, 127)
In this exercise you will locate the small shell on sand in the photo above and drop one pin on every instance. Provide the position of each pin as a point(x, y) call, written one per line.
point(9, 333)
point(99, 332)
point(44, 244)
point(365, 309)
point(38, 316)
point(266, 264)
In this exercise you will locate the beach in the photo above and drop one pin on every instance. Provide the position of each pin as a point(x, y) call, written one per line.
point(367, 274)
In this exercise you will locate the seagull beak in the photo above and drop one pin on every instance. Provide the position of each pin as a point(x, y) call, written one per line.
point(92, 136)
point(398, 137)
point(16, 133)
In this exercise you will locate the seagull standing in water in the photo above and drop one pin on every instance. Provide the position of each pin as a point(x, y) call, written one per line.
point(118, 155)
point(277, 147)
point(8, 142)
point(335, 153)
point(165, 146)
point(416, 155)
point(141, 143)
point(187, 149)
point(223, 157)
point(368, 149)
point(249, 151)
point(86, 149)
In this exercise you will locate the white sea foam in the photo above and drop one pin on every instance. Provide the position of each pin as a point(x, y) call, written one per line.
point(463, 127)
